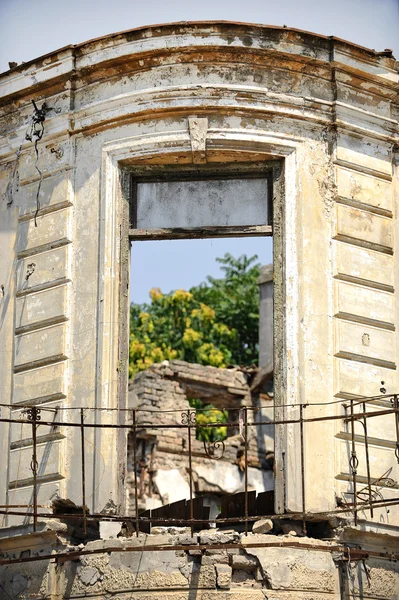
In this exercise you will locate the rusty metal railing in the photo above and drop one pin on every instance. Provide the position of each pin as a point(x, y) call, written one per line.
point(366, 495)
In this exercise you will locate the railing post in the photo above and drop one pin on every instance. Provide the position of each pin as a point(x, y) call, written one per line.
point(396, 407)
point(190, 469)
point(82, 442)
point(302, 470)
point(135, 472)
point(246, 467)
point(354, 463)
point(34, 416)
point(366, 446)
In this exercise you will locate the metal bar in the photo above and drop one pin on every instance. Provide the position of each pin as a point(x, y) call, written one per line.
point(173, 521)
point(357, 401)
point(302, 469)
point(353, 464)
point(34, 472)
point(366, 445)
point(380, 413)
point(396, 408)
point(246, 467)
point(82, 442)
point(65, 556)
point(136, 501)
point(34, 416)
point(190, 472)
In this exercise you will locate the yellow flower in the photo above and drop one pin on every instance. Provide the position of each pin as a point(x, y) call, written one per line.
point(211, 355)
point(182, 295)
point(222, 329)
point(207, 312)
point(157, 354)
point(155, 294)
point(191, 336)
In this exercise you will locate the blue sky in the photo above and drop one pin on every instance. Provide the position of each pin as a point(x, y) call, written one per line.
point(30, 28)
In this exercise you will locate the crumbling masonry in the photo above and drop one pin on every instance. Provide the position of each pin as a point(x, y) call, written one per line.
point(298, 135)
point(165, 389)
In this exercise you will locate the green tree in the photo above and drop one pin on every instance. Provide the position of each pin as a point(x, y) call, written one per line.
point(215, 323)
point(235, 300)
point(177, 325)
point(205, 414)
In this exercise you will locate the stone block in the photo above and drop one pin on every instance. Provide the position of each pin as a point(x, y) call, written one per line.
point(219, 538)
point(364, 264)
point(359, 301)
point(40, 345)
point(48, 267)
point(296, 568)
point(24, 496)
point(366, 342)
point(380, 460)
point(41, 306)
point(292, 529)
point(262, 526)
point(356, 224)
point(55, 190)
point(361, 379)
point(214, 557)
point(49, 162)
point(364, 188)
point(244, 562)
point(48, 458)
point(223, 576)
point(371, 155)
point(39, 383)
point(204, 577)
point(51, 228)
point(23, 431)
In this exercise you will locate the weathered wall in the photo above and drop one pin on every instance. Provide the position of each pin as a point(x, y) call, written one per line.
point(326, 108)
point(266, 328)
point(284, 568)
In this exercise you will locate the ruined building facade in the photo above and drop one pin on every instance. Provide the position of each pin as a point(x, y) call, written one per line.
point(305, 129)
point(218, 469)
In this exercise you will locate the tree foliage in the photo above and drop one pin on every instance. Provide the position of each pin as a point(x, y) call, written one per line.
point(235, 299)
point(215, 323)
point(205, 414)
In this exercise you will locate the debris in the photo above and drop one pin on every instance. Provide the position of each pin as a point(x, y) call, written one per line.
point(262, 526)
point(292, 528)
point(109, 529)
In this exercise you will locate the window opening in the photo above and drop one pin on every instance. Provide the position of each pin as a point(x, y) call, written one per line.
point(189, 334)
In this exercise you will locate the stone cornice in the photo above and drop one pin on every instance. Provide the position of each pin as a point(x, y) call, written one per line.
point(325, 81)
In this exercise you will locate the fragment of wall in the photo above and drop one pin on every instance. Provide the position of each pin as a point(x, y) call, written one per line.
point(160, 396)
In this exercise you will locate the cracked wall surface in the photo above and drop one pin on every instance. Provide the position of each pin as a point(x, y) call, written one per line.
point(327, 110)
point(208, 566)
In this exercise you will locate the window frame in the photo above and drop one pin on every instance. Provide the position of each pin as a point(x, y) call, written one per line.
point(275, 171)
point(265, 170)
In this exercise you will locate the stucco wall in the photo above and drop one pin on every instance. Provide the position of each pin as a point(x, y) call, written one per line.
point(250, 567)
point(325, 108)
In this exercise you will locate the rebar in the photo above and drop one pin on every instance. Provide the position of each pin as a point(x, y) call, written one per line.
point(82, 442)
point(136, 501)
